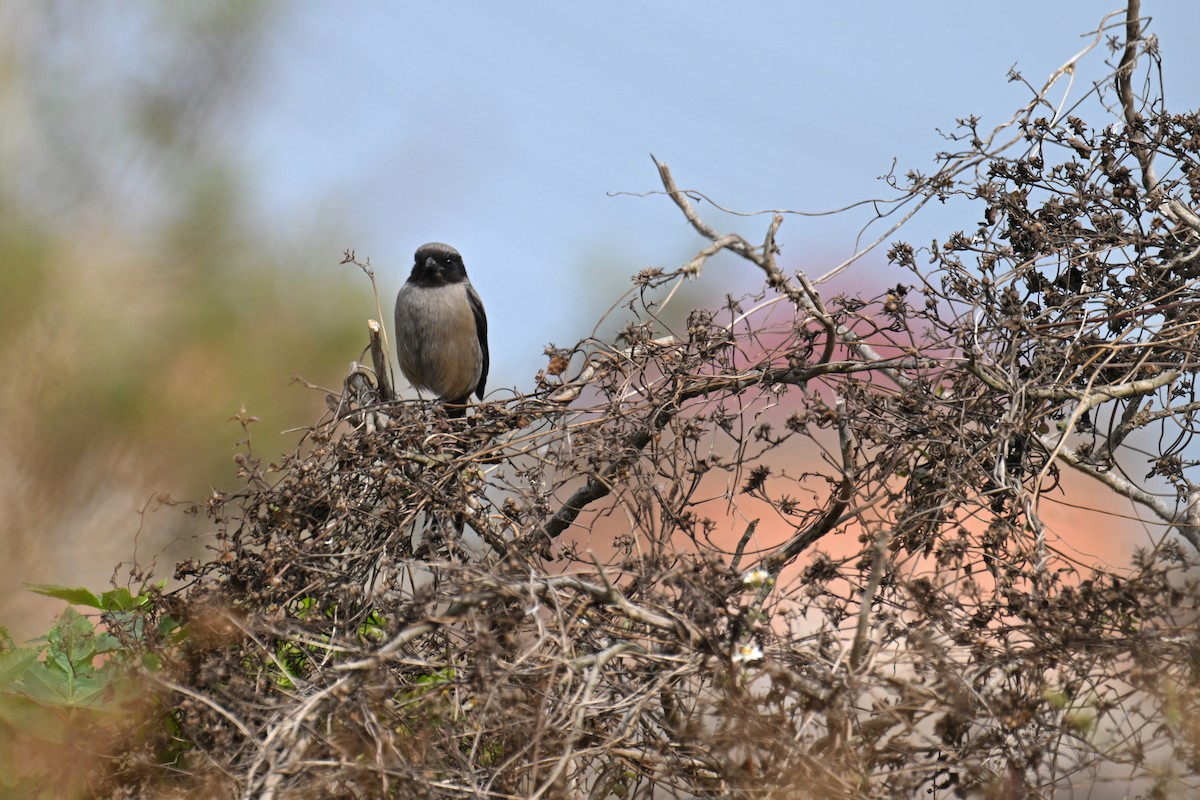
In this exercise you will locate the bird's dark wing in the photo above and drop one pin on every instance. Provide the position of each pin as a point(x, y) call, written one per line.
point(481, 331)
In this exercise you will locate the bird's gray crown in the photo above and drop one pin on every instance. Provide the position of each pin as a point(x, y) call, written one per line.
point(436, 250)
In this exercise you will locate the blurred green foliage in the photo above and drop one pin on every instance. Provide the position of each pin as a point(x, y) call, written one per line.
point(69, 697)
point(146, 299)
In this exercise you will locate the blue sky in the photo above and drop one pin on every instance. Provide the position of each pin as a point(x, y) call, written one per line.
point(504, 129)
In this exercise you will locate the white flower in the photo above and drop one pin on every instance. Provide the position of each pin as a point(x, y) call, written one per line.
point(747, 653)
point(756, 578)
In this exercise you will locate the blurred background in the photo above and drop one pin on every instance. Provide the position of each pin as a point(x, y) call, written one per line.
point(178, 182)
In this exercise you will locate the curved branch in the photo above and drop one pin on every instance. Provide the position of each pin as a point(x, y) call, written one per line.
point(1168, 513)
point(1171, 207)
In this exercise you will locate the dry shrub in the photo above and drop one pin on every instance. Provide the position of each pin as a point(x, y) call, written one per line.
point(795, 549)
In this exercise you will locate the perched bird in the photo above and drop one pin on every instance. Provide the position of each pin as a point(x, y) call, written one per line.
point(441, 329)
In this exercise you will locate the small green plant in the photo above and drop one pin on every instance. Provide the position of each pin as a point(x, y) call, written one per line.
point(67, 693)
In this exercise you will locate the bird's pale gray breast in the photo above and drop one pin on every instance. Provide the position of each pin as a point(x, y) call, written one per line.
point(437, 343)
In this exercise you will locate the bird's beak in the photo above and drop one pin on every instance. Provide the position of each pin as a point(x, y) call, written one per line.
point(431, 264)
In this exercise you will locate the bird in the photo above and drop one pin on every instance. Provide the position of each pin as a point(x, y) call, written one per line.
point(441, 329)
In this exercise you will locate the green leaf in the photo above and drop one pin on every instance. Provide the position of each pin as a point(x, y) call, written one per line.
point(45, 684)
point(14, 663)
point(76, 596)
point(170, 627)
point(120, 599)
point(72, 642)
point(20, 713)
point(107, 643)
